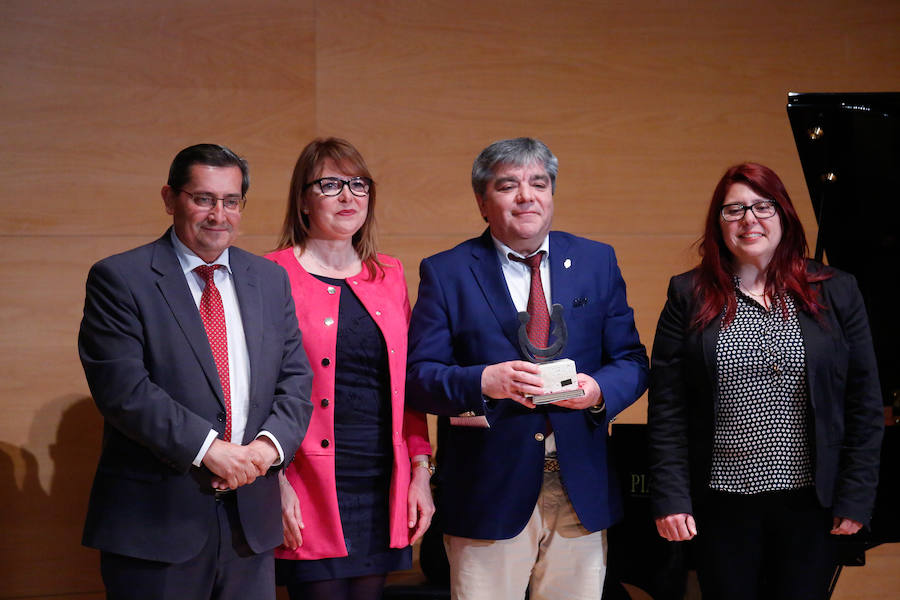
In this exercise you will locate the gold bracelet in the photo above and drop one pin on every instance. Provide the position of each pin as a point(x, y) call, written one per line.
point(425, 464)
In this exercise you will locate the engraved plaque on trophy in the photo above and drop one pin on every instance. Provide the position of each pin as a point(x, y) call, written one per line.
point(560, 377)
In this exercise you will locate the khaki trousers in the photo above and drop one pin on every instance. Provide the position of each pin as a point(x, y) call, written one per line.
point(554, 555)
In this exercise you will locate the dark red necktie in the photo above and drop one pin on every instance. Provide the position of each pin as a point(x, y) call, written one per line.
point(213, 316)
point(538, 327)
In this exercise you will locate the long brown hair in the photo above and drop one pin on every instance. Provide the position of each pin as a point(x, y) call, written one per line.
point(787, 272)
point(295, 229)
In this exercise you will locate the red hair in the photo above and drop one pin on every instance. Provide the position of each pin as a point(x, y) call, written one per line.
point(786, 273)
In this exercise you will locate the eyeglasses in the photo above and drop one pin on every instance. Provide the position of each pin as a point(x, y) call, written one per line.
point(333, 186)
point(761, 210)
point(232, 203)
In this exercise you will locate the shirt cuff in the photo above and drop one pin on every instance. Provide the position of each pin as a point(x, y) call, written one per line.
point(198, 460)
point(277, 447)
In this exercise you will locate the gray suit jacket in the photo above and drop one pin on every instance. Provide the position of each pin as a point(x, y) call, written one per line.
point(151, 372)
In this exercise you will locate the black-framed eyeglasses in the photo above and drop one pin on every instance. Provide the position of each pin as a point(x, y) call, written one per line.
point(761, 210)
point(233, 202)
point(333, 186)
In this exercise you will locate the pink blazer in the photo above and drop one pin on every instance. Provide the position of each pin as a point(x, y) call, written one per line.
point(312, 471)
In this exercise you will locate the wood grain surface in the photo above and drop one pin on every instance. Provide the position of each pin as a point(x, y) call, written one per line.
point(645, 103)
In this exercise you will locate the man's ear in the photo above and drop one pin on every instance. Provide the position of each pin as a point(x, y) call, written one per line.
point(479, 199)
point(168, 196)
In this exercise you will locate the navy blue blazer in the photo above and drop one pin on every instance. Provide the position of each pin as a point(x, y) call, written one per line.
point(844, 400)
point(465, 320)
point(151, 372)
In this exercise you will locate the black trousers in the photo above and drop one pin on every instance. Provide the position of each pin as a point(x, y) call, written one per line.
point(771, 546)
point(226, 568)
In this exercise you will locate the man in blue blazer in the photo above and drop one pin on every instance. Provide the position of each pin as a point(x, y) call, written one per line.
point(525, 491)
point(177, 509)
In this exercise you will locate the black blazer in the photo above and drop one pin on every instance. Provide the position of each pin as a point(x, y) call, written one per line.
point(844, 400)
point(151, 371)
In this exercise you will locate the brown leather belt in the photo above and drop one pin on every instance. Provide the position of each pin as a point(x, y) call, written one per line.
point(551, 465)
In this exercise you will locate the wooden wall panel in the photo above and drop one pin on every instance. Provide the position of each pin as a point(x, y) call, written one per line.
point(644, 103)
point(97, 98)
point(100, 95)
point(50, 433)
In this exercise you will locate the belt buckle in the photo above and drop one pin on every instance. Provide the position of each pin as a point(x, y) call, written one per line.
point(223, 494)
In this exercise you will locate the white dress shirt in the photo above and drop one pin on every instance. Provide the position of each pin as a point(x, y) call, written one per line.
point(238, 357)
point(518, 275)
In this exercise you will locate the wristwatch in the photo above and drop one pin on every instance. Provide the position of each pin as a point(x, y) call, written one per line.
point(597, 408)
point(425, 464)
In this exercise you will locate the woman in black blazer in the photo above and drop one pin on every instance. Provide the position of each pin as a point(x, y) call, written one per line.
point(765, 416)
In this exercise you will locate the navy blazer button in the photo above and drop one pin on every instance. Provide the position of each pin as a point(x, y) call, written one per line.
point(220, 417)
point(324, 402)
point(325, 443)
point(326, 362)
point(539, 437)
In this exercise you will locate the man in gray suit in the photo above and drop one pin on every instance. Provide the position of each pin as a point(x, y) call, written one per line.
point(193, 355)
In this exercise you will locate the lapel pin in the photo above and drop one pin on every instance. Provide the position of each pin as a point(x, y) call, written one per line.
point(567, 263)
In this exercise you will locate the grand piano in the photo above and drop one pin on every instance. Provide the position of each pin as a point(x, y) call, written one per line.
point(849, 147)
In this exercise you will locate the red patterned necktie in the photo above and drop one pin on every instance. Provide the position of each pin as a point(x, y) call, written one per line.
point(538, 327)
point(213, 316)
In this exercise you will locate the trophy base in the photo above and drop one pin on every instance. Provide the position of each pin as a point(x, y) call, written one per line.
point(560, 378)
point(556, 396)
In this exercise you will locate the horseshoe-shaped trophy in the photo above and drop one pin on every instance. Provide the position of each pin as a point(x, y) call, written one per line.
point(560, 377)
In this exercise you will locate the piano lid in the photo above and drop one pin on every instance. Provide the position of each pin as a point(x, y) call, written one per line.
point(848, 143)
point(849, 146)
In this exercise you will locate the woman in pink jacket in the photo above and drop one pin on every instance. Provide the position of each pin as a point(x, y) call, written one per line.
point(357, 492)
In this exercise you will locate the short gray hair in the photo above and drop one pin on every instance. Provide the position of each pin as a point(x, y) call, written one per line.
point(516, 152)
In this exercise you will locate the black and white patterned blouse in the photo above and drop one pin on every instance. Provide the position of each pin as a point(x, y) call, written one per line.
point(761, 440)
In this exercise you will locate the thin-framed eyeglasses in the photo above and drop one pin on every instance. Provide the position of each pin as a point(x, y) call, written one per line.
point(233, 202)
point(333, 186)
point(761, 210)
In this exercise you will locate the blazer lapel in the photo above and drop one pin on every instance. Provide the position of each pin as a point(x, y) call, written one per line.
point(563, 271)
point(489, 277)
point(246, 286)
point(709, 339)
point(175, 290)
point(815, 348)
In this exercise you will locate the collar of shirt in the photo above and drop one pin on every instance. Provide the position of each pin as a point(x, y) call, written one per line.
point(190, 261)
point(504, 251)
point(518, 275)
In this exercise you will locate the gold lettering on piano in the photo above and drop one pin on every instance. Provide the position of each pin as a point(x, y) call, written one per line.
point(639, 483)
